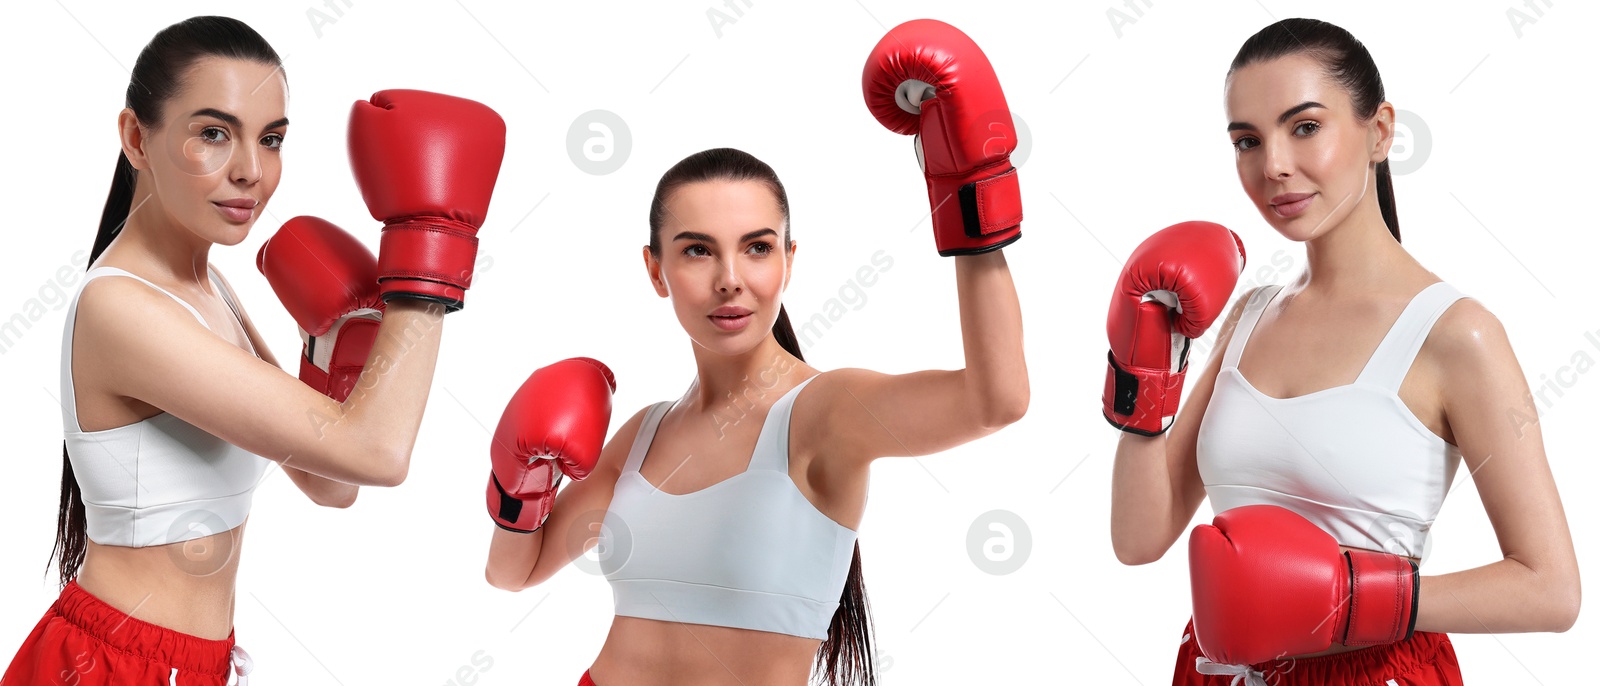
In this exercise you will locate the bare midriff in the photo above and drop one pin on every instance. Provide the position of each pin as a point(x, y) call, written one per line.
point(656, 653)
point(187, 587)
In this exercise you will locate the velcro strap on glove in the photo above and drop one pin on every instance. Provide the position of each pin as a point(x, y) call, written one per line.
point(1140, 400)
point(991, 205)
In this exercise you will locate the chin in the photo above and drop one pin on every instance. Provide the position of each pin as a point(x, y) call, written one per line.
point(1298, 230)
point(733, 346)
point(230, 234)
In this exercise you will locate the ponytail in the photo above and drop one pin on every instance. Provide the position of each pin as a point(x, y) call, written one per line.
point(1386, 199)
point(784, 333)
point(71, 522)
point(119, 202)
point(72, 525)
point(846, 657)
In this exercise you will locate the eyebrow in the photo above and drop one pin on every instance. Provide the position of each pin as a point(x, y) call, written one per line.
point(697, 236)
point(1297, 109)
point(234, 121)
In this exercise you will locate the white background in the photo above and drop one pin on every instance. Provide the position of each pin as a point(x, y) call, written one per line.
point(1125, 137)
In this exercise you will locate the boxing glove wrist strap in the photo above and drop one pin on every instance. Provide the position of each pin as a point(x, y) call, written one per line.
point(990, 212)
point(513, 514)
point(431, 259)
point(1140, 400)
point(991, 205)
point(332, 362)
point(1383, 599)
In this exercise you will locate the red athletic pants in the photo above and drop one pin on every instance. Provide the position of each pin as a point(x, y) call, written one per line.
point(81, 641)
point(1425, 659)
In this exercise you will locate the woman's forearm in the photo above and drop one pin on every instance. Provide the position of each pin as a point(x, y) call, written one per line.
point(991, 333)
point(1507, 596)
point(1142, 500)
point(512, 558)
point(383, 413)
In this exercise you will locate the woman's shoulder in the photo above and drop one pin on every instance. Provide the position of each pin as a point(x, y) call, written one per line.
point(825, 389)
point(629, 430)
point(104, 301)
point(1230, 321)
point(821, 377)
point(1466, 342)
point(615, 451)
point(123, 330)
point(1467, 327)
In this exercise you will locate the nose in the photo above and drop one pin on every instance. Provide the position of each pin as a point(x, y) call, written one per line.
point(245, 165)
point(729, 280)
point(1279, 162)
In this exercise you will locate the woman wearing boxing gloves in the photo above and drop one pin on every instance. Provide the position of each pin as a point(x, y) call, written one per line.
point(726, 519)
point(1327, 451)
point(172, 404)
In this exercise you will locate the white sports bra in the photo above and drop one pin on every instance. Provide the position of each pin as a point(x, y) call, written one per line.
point(1352, 459)
point(159, 480)
point(749, 552)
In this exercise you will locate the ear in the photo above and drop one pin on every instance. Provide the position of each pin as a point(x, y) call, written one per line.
point(788, 267)
point(133, 140)
point(652, 267)
point(1383, 132)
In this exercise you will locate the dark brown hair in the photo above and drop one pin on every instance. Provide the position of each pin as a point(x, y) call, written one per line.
point(846, 656)
point(158, 75)
point(1345, 60)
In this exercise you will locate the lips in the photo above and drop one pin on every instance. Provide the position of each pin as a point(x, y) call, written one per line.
point(1291, 204)
point(236, 210)
point(730, 317)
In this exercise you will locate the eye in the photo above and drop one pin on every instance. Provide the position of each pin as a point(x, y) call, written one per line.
point(766, 248)
point(1244, 143)
point(695, 246)
point(1306, 128)
point(272, 140)
point(214, 134)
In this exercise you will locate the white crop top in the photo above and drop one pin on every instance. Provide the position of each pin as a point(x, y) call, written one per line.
point(749, 552)
point(159, 480)
point(1352, 459)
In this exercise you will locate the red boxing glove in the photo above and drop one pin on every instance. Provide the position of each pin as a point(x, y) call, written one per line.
point(328, 281)
point(556, 421)
point(426, 164)
point(1268, 584)
point(927, 78)
point(1191, 268)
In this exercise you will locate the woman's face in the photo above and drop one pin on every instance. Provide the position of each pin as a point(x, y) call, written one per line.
point(214, 160)
point(1304, 157)
point(722, 263)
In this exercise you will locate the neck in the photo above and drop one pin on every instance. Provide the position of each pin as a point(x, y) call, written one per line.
point(1354, 256)
point(732, 385)
point(157, 245)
